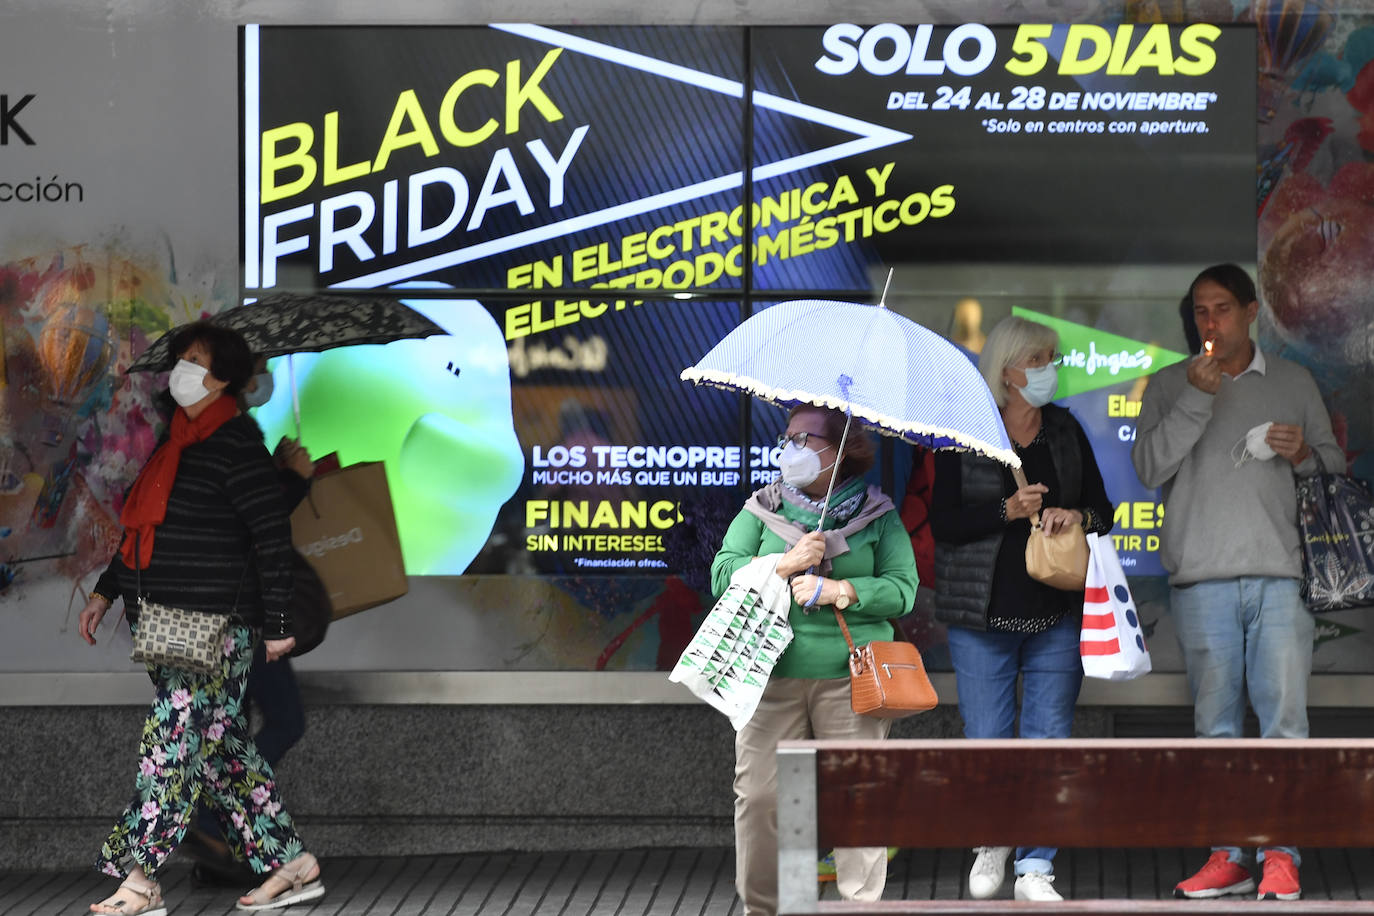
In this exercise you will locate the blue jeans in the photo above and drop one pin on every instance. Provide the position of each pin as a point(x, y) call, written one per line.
point(1252, 637)
point(986, 665)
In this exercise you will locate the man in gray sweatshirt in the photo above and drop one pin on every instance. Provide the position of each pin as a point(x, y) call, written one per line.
point(1230, 539)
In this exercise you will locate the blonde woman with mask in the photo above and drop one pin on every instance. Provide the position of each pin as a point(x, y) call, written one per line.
point(1002, 624)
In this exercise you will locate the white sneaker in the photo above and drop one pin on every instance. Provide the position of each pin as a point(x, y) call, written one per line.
point(988, 872)
point(1036, 886)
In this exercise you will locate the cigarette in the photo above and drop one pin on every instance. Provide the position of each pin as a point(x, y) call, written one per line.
point(1207, 347)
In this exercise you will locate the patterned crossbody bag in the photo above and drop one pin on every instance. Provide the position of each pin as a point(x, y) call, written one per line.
point(178, 638)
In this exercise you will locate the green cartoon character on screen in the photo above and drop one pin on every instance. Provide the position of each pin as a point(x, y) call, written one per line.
point(437, 411)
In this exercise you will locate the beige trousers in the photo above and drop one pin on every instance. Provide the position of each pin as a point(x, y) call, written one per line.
point(794, 708)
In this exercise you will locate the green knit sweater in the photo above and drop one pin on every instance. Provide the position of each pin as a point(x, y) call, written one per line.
point(879, 564)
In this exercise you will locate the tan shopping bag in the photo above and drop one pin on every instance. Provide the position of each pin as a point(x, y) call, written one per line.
point(347, 530)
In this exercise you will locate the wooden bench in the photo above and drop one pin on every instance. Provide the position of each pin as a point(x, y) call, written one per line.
point(1069, 793)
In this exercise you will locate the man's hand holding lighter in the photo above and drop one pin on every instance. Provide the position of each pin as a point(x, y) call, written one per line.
point(1203, 372)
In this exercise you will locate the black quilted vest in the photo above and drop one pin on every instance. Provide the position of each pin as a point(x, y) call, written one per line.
point(963, 572)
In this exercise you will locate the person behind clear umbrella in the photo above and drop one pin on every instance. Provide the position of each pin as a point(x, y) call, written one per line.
point(863, 566)
point(1002, 623)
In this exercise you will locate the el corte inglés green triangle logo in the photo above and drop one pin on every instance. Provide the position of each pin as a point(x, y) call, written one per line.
point(1328, 630)
point(1096, 359)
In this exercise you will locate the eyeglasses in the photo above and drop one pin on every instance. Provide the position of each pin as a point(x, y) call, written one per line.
point(1036, 360)
point(798, 439)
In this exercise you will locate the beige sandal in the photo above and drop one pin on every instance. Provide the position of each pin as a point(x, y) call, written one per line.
point(139, 888)
point(295, 882)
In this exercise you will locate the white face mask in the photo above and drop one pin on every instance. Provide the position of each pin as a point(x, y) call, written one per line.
point(1252, 446)
point(187, 383)
point(262, 393)
point(1041, 384)
point(800, 466)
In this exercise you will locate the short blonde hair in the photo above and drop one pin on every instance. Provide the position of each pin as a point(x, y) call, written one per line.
point(1010, 341)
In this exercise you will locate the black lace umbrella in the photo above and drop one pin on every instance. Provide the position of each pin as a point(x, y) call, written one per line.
point(282, 323)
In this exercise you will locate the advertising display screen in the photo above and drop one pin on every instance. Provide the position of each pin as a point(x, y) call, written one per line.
point(586, 211)
point(1066, 144)
point(488, 158)
point(518, 156)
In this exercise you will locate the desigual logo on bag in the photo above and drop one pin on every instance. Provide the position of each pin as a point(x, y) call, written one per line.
point(324, 545)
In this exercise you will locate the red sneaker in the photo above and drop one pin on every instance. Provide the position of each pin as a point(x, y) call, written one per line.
point(1280, 881)
point(1220, 876)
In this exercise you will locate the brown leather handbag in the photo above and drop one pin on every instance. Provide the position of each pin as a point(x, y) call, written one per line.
point(887, 680)
point(1058, 560)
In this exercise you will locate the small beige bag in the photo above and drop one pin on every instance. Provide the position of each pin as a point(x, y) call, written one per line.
point(189, 640)
point(1059, 560)
point(178, 638)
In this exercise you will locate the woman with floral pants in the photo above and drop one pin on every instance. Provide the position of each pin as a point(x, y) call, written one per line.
point(205, 529)
point(195, 744)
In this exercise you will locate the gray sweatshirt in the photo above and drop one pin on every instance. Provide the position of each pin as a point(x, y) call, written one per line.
point(1223, 521)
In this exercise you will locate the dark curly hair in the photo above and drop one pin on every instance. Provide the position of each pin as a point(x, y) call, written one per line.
point(231, 361)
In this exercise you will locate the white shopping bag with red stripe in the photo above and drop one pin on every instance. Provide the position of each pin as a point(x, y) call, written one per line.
point(1112, 644)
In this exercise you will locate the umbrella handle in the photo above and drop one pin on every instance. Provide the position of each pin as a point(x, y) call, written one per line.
point(1021, 481)
point(295, 395)
point(834, 470)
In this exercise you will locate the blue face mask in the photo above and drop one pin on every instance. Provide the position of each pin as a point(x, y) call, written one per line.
point(1041, 384)
point(262, 393)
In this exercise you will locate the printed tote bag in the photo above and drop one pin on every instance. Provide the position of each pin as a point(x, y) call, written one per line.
point(728, 661)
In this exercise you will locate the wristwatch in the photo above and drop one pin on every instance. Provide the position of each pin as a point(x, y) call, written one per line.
point(842, 601)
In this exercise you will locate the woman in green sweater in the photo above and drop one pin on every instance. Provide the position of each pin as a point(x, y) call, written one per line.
point(862, 565)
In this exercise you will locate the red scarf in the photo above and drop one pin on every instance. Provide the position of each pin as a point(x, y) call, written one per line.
point(146, 507)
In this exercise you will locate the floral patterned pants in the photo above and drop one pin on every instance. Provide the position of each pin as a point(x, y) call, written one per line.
point(196, 747)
